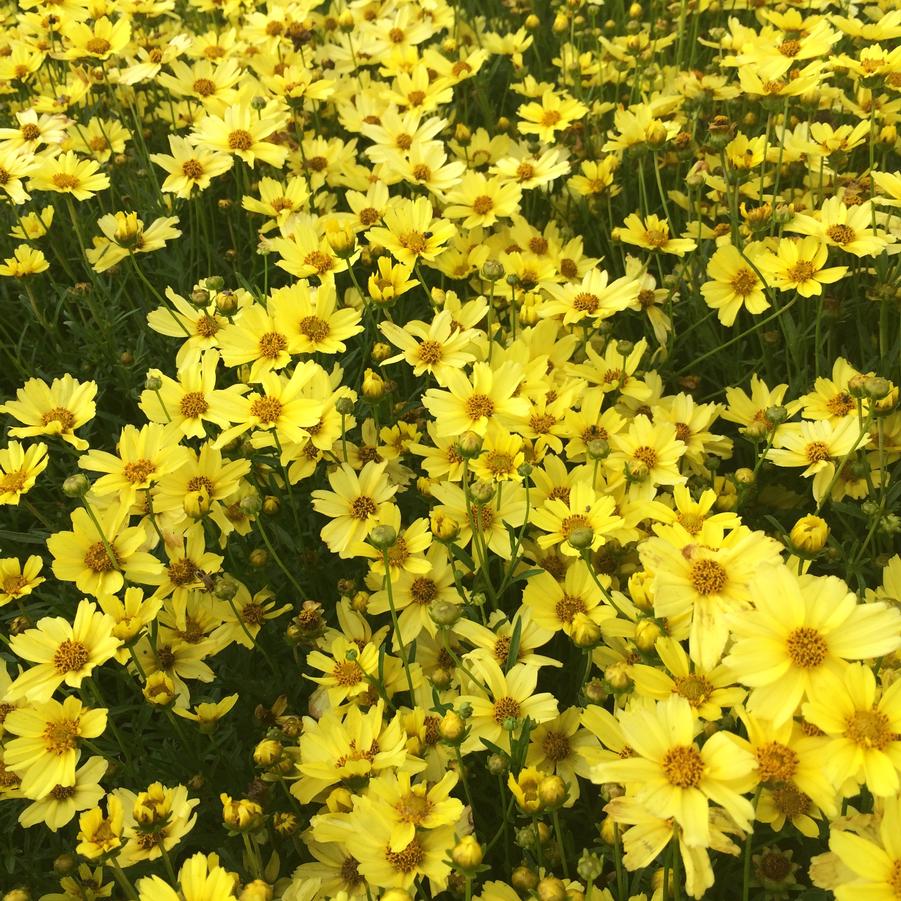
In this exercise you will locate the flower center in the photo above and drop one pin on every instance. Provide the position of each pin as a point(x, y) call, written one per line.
point(407, 860)
point(806, 647)
point(314, 328)
point(422, 172)
point(97, 559)
point(240, 139)
point(12, 585)
point(744, 282)
point(192, 169)
point(479, 405)
point(423, 590)
point(138, 471)
point(193, 404)
point(320, 261)
point(646, 455)
point(430, 352)
point(707, 576)
point(656, 237)
point(205, 87)
point(347, 673)
point(363, 507)
point(70, 657)
point(62, 792)
point(841, 234)
point(790, 48)
point(414, 241)
point(13, 482)
point(413, 808)
point(482, 205)
point(505, 708)
point(64, 417)
point(776, 762)
point(817, 452)
point(550, 118)
point(555, 746)
point(267, 409)
point(201, 483)
point(802, 271)
point(182, 572)
point(98, 46)
point(841, 404)
point(790, 801)
point(207, 326)
point(272, 344)
point(567, 607)
point(683, 766)
point(870, 729)
point(61, 737)
point(696, 689)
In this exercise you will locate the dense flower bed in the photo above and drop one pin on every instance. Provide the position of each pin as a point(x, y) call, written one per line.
point(450, 449)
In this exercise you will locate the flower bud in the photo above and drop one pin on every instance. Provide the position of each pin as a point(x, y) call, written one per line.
point(65, 864)
point(551, 889)
point(581, 538)
point(250, 504)
point(595, 692)
point(452, 727)
point(226, 303)
point(467, 854)
point(256, 891)
point(809, 534)
point(395, 894)
point(159, 689)
point(646, 634)
point(496, 764)
point(444, 528)
point(271, 505)
point(481, 492)
point(617, 675)
point(597, 449)
point(267, 752)
point(469, 445)
point(380, 352)
point(876, 387)
point(493, 270)
point(775, 415)
point(342, 240)
point(383, 537)
point(241, 815)
point(373, 385)
point(76, 486)
point(153, 382)
point(258, 557)
point(523, 879)
point(344, 406)
point(586, 633)
point(552, 791)
point(444, 613)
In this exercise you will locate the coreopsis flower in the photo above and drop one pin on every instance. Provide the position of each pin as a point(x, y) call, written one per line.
point(734, 283)
point(24, 261)
point(511, 699)
point(18, 579)
point(434, 347)
point(56, 409)
point(34, 225)
point(817, 446)
point(67, 174)
point(488, 398)
point(593, 299)
point(555, 112)
point(583, 509)
point(190, 168)
point(648, 451)
point(838, 225)
point(244, 132)
point(563, 748)
point(797, 265)
point(412, 233)
point(199, 879)
point(62, 652)
point(207, 714)
point(348, 745)
point(674, 778)
point(355, 505)
point(311, 320)
point(45, 749)
point(480, 201)
point(865, 731)
point(652, 233)
point(154, 820)
point(703, 577)
point(98, 560)
point(99, 834)
point(747, 409)
point(101, 39)
point(279, 406)
point(19, 469)
point(143, 457)
point(124, 234)
point(801, 629)
point(59, 806)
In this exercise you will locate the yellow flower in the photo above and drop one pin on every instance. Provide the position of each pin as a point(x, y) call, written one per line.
point(83, 555)
point(124, 234)
point(155, 820)
point(100, 40)
point(190, 168)
point(848, 228)
point(480, 201)
point(563, 521)
point(675, 779)
point(555, 112)
point(57, 807)
point(67, 174)
point(801, 629)
point(45, 751)
point(17, 580)
point(277, 201)
point(734, 283)
point(55, 409)
point(62, 652)
point(199, 879)
point(207, 715)
point(652, 233)
point(243, 131)
point(311, 320)
point(592, 299)
point(98, 834)
point(876, 864)
point(865, 731)
point(19, 469)
point(354, 506)
point(24, 261)
point(412, 233)
point(648, 451)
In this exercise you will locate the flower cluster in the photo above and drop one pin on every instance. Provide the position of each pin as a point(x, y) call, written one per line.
point(487, 487)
